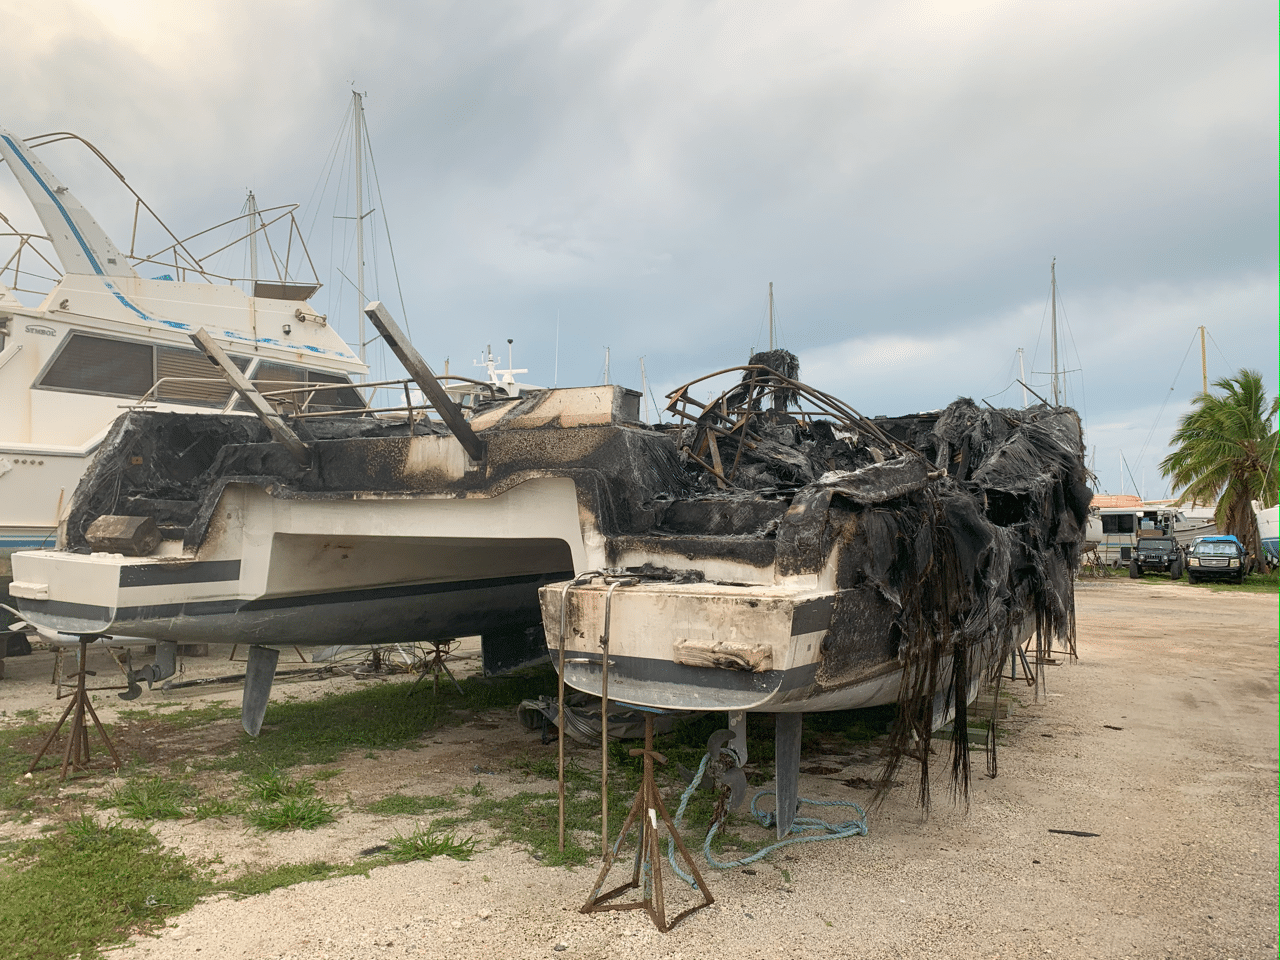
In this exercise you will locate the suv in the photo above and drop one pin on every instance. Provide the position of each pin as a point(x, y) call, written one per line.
point(1157, 553)
point(1216, 558)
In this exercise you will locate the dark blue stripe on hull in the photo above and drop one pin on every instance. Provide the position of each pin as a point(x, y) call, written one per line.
point(284, 619)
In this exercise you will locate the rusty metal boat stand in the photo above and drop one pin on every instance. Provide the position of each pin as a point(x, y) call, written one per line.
point(76, 754)
point(645, 814)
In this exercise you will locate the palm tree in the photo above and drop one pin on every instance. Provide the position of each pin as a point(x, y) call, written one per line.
point(1226, 450)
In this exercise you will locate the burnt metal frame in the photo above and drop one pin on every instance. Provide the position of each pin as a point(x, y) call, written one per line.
point(759, 384)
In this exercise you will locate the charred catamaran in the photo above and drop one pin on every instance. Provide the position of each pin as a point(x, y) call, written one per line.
point(777, 553)
point(820, 560)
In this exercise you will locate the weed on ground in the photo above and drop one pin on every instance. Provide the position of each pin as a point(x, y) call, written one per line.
point(91, 886)
point(293, 813)
point(152, 798)
point(381, 717)
point(264, 881)
point(430, 841)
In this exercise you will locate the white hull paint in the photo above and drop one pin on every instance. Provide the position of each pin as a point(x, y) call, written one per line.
point(321, 572)
point(719, 647)
point(1269, 529)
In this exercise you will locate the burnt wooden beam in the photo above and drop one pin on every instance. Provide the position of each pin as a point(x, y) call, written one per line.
point(423, 376)
point(280, 431)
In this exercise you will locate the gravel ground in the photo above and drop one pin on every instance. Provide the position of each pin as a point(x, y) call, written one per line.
point(1161, 739)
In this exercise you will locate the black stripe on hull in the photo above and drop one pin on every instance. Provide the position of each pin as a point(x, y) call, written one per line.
point(160, 574)
point(464, 606)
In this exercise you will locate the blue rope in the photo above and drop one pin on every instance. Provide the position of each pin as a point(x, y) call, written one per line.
point(857, 827)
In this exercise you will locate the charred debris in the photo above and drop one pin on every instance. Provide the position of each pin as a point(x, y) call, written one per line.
point(952, 534)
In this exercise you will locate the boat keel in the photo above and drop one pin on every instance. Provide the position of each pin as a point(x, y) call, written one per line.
point(258, 676)
point(787, 767)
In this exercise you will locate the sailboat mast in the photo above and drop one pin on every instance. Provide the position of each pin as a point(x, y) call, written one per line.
point(1053, 298)
point(1022, 379)
point(771, 344)
point(357, 133)
point(1204, 365)
point(644, 390)
point(252, 204)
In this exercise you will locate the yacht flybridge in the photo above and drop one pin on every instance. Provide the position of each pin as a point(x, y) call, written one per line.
point(107, 337)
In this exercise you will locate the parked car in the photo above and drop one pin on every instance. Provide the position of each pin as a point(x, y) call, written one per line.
point(1217, 558)
point(1162, 554)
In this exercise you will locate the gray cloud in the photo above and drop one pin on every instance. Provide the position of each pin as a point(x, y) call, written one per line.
point(903, 173)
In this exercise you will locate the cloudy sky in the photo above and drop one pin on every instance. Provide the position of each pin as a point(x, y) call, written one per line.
point(631, 176)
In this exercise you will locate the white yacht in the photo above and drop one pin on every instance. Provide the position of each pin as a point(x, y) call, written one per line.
point(106, 337)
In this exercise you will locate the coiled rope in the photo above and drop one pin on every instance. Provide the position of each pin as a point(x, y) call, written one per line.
point(856, 827)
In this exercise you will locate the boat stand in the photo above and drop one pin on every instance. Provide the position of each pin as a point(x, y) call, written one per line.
point(76, 755)
point(647, 869)
point(435, 664)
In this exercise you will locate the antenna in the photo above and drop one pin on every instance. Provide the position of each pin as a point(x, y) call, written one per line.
point(1053, 300)
point(771, 340)
point(252, 204)
point(644, 381)
point(1204, 365)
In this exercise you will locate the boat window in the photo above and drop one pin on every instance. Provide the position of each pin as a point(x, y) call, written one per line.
point(87, 364)
point(187, 364)
point(279, 376)
point(1117, 523)
point(124, 368)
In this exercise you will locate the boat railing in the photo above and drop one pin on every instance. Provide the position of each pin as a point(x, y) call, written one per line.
point(12, 266)
point(310, 400)
point(297, 400)
point(286, 248)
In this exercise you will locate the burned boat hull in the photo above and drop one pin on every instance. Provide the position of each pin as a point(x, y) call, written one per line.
point(442, 569)
point(386, 536)
point(728, 647)
point(836, 563)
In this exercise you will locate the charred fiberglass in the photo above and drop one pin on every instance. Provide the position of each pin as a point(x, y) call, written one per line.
point(900, 559)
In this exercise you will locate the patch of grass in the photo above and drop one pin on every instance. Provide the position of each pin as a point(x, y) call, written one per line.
point(293, 813)
point(91, 887)
point(264, 881)
point(152, 798)
point(184, 718)
point(576, 776)
point(215, 808)
point(16, 792)
point(1253, 583)
point(381, 717)
point(399, 804)
point(427, 842)
point(532, 819)
point(273, 785)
